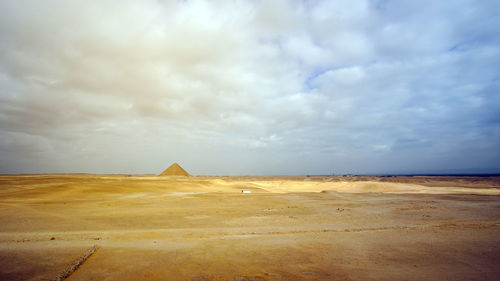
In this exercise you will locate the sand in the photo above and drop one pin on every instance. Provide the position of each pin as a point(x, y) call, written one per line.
point(289, 228)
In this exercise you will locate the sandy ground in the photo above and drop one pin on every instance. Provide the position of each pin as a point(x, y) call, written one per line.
point(203, 228)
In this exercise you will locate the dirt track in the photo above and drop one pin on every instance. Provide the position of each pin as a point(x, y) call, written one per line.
point(203, 228)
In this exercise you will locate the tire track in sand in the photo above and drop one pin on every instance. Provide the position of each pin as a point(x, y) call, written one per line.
point(193, 233)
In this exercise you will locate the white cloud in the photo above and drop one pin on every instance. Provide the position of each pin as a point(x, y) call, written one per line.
point(128, 86)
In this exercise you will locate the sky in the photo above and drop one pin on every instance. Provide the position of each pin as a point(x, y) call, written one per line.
point(250, 87)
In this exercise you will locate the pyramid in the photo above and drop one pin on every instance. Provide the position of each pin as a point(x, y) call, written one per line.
point(174, 170)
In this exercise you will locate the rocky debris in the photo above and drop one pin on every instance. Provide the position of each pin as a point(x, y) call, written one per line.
point(249, 278)
point(75, 265)
point(201, 278)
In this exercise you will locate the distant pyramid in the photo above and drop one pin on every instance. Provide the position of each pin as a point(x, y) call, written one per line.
point(174, 170)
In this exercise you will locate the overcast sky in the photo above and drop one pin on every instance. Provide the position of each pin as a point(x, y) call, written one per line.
point(249, 87)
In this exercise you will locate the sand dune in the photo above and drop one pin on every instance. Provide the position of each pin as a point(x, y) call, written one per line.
point(288, 228)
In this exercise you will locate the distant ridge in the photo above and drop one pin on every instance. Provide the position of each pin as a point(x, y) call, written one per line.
point(174, 170)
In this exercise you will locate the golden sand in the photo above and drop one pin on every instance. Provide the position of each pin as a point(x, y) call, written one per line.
point(288, 228)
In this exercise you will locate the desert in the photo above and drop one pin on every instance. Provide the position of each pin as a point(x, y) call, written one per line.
point(249, 140)
point(149, 227)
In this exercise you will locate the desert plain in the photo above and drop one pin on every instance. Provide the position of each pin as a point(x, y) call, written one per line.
point(287, 228)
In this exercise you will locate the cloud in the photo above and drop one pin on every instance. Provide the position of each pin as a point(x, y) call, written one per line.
point(248, 87)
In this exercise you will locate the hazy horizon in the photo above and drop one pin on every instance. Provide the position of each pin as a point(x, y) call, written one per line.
point(250, 87)
point(449, 172)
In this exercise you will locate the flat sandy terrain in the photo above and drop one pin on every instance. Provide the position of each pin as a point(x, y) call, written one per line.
point(204, 228)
